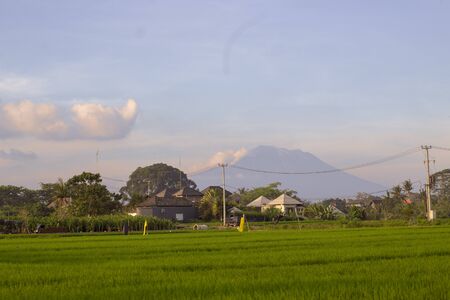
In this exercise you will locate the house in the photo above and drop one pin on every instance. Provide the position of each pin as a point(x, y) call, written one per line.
point(336, 210)
point(172, 208)
point(189, 193)
point(234, 211)
point(259, 203)
point(361, 203)
point(285, 204)
point(166, 193)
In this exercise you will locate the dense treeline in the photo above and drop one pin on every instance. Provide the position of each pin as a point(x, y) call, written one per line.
point(81, 195)
point(84, 198)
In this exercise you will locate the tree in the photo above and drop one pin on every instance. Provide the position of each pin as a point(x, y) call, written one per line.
point(408, 187)
point(356, 213)
point(319, 211)
point(273, 213)
point(16, 196)
point(397, 193)
point(209, 206)
point(90, 196)
point(15, 199)
point(441, 190)
point(270, 191)
point(156, 178)
point(387, 206)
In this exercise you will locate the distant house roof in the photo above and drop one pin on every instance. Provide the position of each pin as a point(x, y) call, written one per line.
point(363, 202)
point(337, 210)
point(166, 193)
point(188, 192)
point(234, 210)
point(407, 201)
point(259, 202)
point(285, 200)
point(165, 202)
point(375, 202)
point(216, 187)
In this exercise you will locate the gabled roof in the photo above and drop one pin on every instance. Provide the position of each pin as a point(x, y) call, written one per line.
point(188, 192)
point(165, 202)
point(285, 200)
point(216, 187)
point(337, 210)
point(234, 210)
point(259, 202)
point(166, 193)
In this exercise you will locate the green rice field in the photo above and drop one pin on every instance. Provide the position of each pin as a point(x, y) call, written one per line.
point(359, 263)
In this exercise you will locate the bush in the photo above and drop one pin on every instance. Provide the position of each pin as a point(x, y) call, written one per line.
point(96, 223)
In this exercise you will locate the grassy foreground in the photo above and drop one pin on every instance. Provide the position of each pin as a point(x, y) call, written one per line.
point(369, 263)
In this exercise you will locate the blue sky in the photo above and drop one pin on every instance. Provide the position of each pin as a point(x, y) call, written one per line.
point(349, 81)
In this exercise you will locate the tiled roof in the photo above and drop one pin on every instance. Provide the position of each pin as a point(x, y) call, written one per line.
point(165, 202)
point(188, 192)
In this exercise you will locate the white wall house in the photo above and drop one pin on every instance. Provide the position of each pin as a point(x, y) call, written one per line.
point(259, 203)
point(285, 203)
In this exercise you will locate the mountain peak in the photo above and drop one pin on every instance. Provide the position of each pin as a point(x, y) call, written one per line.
point(271, 158)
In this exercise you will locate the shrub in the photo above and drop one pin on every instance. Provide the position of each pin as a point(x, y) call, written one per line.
point(97, 223)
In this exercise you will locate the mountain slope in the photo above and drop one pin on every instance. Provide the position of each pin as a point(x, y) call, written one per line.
point(314, 186)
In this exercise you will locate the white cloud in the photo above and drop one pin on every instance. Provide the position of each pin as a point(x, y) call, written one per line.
point(82, 121)
point(229, 157)
point(221, 157)
point(30, 119)
point(17, 155)
point(19, 86)
point(100, 121)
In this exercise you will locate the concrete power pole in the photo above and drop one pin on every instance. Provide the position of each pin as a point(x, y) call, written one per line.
point(148, 186)
point(430, 213)
point(223, 166)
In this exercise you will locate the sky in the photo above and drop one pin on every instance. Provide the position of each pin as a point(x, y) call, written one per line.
point(141, 82)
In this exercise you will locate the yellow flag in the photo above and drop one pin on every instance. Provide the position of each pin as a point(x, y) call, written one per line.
point(242, 224)
point(145, 227)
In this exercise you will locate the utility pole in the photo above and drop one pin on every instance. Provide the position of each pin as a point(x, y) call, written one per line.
point(223, 166)
point(148, 186)
point(179, 168)
point(97, 157)
point(430, 213)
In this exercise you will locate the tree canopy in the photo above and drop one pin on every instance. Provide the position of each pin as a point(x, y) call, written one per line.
point(90, 196)
point(270, 191)
point(154, 178)
point(441, 190)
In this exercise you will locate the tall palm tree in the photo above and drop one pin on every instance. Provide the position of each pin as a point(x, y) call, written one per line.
point(408, 187)
point(397, 192)
point(61, 189)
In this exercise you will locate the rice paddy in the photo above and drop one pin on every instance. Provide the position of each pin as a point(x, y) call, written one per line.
point(360, 263)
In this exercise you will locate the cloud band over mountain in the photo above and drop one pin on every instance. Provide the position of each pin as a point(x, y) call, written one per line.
point(17, 155)
point(80, 121)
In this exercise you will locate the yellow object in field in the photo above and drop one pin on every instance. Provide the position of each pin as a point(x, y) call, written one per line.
point(145, 228)
point(242, 224)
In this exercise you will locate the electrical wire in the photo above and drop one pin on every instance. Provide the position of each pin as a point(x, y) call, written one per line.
point(376, 162)
point(113, 179)
point(441, 148)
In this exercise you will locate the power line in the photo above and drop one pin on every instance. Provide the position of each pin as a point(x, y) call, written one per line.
point(441, 148)
point(113, 179)
point(376, 162)
point(201, 171)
